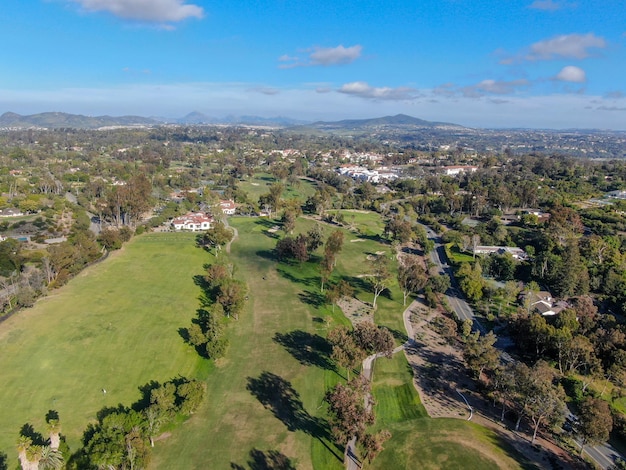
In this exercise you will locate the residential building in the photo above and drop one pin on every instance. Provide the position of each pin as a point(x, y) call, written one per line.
point(193, 221)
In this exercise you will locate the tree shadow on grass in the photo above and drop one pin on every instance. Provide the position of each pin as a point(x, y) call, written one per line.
point(359, 283)
point(307, 281)
point(266, 460)
point(36, 437)
point(279, 396)
point(399, 335)
point(267, 254)
point(309, 349)
point(313, 298)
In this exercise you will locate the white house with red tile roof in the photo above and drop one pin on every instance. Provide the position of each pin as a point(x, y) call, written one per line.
point(193, 221)
point(228, 207)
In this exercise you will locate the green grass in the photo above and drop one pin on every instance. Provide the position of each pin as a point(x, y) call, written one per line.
point(421, 442)
point(259, 184)
point(233, 422)
point(114, 327)
point(456, 256)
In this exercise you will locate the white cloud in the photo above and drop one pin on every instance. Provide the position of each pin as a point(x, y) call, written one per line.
point(364, 90)
point(324, 56)
point(335, 55)
point(568, 46)
point(501, 87)
point(145, 10)
point(572, 74)
point(485, 87)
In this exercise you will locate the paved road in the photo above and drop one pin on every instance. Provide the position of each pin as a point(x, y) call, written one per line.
point(604, 455)
point(454, 296)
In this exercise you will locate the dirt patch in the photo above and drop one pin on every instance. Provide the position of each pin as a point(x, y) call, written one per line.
point(355, 310)
point(355, 240)
point(440, 374)
point(163, 436)
point(274, 229)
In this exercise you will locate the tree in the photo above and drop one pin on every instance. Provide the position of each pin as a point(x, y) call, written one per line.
point(345, 351)
point(231, 294)
point(439, 283)
point(285, 248)
point(300, 251)
point(50, 459)
point(411, 277)
point(289, 221)
point(479, 352)
point(373, 339)
point(595, 422)
point(334, 244)
point(547, 407)
point(314, 238)
point(327, 265)
point(472, 281)
point(373, 444)
point(348, 414)
point(217, 236)
point(531, 386)
point(380, 276)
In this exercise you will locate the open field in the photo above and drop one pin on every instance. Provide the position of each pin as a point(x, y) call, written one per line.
point(114, 327)
point(268, 353)
point(259, 184)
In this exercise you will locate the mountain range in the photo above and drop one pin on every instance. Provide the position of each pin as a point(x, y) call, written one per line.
point(56, 120)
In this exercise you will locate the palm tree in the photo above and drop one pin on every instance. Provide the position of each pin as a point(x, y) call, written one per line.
point(24, 443)
point(54, 428)
point(33, 456)
point(50, 459)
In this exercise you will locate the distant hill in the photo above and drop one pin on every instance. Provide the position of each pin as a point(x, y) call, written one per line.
point(76, 121)
point(196, 117)
point(399, 121)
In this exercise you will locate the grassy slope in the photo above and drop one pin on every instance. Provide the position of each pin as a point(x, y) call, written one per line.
point(114, 327)
point(132, 306)
point(259, 184)
point(233, 422)
point(421, 442)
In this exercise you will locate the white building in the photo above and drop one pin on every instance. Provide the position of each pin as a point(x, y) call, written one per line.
point(456, 170)
point(193, 221)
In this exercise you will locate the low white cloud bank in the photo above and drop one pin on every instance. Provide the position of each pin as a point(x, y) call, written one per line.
point(145, 10)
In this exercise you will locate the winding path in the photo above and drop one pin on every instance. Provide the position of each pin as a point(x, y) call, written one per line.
point(350, 458)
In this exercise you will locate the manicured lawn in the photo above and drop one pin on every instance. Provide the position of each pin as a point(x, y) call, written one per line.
point(114, 327)
point(259, 184)
point(421, 442)
point(456, 256)
point(268, 352)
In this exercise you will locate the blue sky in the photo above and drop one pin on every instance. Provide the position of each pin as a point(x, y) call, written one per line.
point(497, 63)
